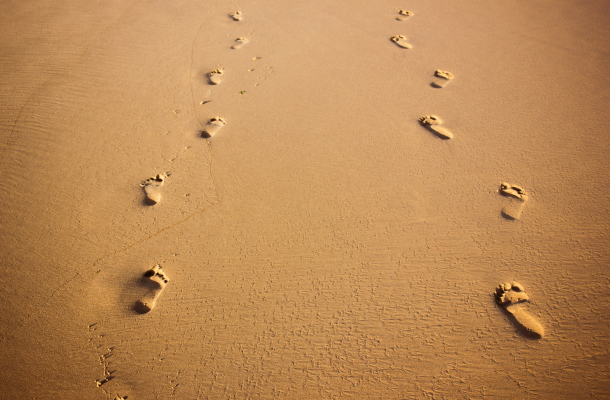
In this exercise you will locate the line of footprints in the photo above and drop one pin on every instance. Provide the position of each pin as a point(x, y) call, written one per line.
point(155, 279)
point(441, 80)
point(215, 78)
point(509, 296)
point(433, 123)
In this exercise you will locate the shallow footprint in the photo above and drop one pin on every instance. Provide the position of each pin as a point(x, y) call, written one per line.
point(155, 280)
point(215, 76)
point(444, 78)
point(432, 123)
point(403, 15)
point(152, 188)
point(401, 41)
point(236, 16)
point(239, 42)
point(510, 296)
point(517, 204)
point(213, 126)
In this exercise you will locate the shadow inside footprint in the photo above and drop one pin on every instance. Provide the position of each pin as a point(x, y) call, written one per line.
point(521, 328)
point(513, 210)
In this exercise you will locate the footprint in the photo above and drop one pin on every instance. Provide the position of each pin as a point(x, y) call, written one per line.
point(213, 125)
point(445, 78)
point(239, 42)
point(432, 122)
point(517, 204)
point(236, 16)
point(155, 280)
point(401, 41)
point(100, 382)
point(403, 15)
point(510, 296)
point(215, 76)
point(152, 188)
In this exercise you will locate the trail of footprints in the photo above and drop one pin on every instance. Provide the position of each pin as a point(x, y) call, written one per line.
point(441, 80)
point(105, 355)
point(510, 296)
point(155, 280)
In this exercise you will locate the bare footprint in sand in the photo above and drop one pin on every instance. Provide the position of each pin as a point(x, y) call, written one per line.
point(213, 126)
point(236, 16)
point(401, 41)
point(152, 188)
point(444, 77)
point(239, 42)
point(215, 76)
point(517, 202)
point(155, 280)
point(403, 15)
point(432, 123)
point(510, 296)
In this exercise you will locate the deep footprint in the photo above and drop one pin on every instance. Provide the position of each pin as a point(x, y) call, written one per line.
point(517, 203)
point(239, 42)
point(401, 41)
point(215, 77)
point(432, 123)
point(236, 16)
point(155, 280)
point(152, 188)
point(510, 296)
point(403, 15)
point(444, 77)
point(213, 126)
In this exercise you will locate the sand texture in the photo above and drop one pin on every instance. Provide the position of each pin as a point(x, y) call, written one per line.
point(217, 200)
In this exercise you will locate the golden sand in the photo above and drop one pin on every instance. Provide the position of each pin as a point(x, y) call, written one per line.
point(321, 242)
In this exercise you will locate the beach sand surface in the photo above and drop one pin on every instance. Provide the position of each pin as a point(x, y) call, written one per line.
point(323, 243)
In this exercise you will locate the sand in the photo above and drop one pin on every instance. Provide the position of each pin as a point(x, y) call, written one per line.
point(321, 243)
